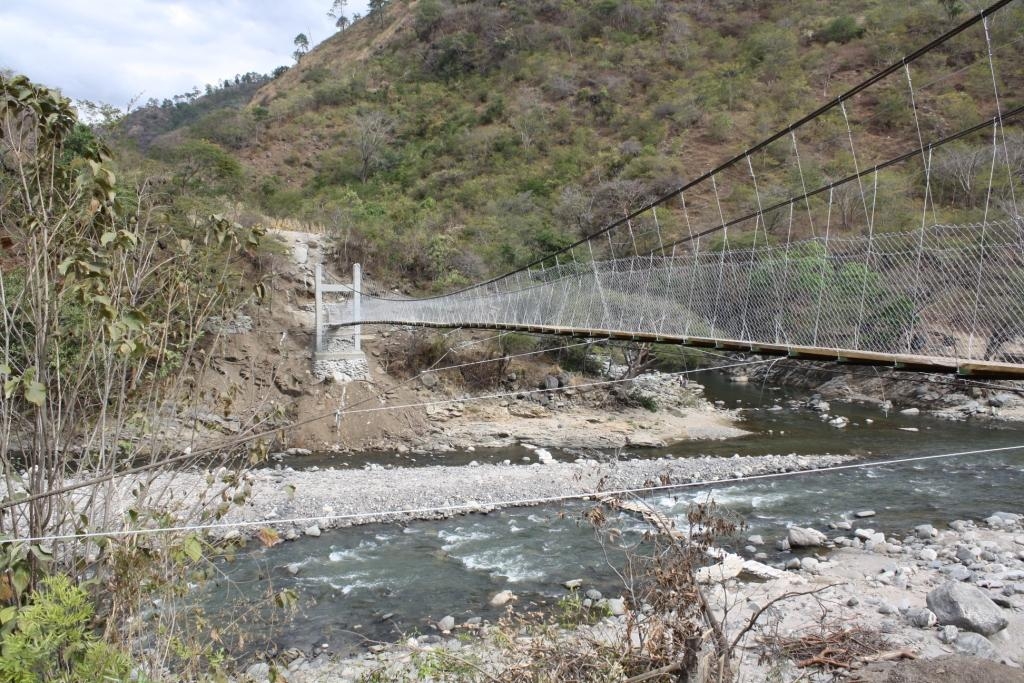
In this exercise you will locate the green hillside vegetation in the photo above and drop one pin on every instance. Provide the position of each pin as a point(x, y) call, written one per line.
point(444, 141)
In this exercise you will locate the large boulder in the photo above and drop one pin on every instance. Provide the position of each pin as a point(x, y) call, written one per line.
point(966, 607)
point(805, 538)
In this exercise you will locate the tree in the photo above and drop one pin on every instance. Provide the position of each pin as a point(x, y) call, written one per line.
point(376, 10)
point(371, 132)
point(337, 12)
point(105, 296)
point(953, 8)
point(301, 47)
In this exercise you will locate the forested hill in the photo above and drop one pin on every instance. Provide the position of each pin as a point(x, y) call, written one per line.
point(446, 140)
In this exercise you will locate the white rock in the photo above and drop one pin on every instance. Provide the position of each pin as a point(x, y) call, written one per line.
point(800, 537)
point(617, 606)
point(910, 411)
point(312, 531)
point(730, 567)
point(761, 570)
point(502, 598)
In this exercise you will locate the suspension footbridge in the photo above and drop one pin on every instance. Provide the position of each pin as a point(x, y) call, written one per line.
point(882, 228)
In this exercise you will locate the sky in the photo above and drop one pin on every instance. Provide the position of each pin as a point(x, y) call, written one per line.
point(122, 50)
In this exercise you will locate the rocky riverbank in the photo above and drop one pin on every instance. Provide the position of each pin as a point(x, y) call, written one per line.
point(567, 411)
point(307, 502)
point(944, 396)
point(945, 600)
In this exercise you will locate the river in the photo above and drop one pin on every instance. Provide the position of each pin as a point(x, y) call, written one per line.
point(383, 581)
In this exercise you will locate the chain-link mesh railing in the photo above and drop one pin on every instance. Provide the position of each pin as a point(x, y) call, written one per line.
point(817, 236)
point(952, 292)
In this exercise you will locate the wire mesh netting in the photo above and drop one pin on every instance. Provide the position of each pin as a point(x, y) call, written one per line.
point(888, 221)
point(948, 292)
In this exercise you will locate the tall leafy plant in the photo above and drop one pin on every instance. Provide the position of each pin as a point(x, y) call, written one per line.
point(106, 297)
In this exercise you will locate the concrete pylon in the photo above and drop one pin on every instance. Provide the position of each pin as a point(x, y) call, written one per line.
point(337, 348)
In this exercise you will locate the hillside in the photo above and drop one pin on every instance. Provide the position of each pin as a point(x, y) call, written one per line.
point(442, 141)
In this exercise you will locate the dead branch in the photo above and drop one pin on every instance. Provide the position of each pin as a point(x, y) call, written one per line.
point(654, 673)
point(752, 621)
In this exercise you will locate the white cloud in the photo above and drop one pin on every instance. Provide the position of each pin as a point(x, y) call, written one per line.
point(113, 52)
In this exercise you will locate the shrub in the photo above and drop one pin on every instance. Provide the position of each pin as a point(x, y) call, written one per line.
point(318, 74)
point(53, 641)
point(840, 30)
point(428, 14)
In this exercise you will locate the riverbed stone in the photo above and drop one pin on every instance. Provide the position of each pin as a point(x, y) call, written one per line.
point(502, 598)
point(1000, 519)
point(921, 617)
point(800, 537)
point(573, 584)
point(616, 606)
point(593, 594)
point(729, 567)
point(260, 671)
point(446, 624)
point(925, 531)
point(967, 555)
point(975, 645)
point(864, 513)
point(958, 572)
point(966, 607)
point(313, 531)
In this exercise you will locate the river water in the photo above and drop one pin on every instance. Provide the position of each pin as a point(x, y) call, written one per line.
point(384, 581)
